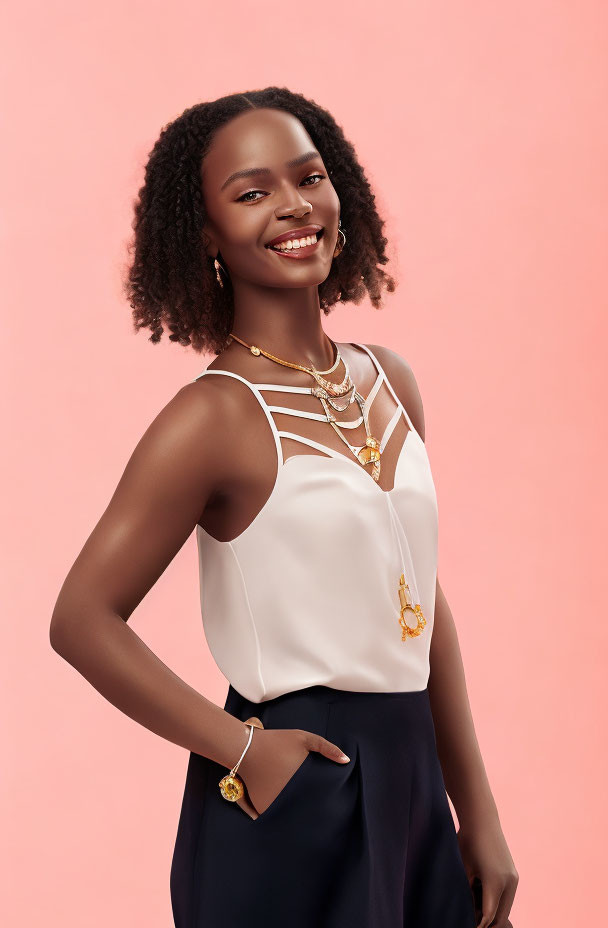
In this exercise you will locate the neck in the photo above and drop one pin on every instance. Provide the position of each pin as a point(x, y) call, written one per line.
point(286, 323)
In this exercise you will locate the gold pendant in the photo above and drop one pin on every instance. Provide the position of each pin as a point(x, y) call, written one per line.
point(370, 451)
point(406, 603)
point(231, 787)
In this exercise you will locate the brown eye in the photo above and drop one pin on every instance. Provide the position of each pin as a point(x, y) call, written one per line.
point(313, 175)
point(249, 192)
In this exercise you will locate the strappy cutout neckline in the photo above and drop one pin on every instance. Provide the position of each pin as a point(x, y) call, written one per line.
point(337, 455)
point(326, 450)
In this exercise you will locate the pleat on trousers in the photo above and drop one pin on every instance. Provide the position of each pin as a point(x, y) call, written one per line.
point(366, 844)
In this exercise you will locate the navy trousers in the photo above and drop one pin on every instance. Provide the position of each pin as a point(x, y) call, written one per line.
point(366, 844)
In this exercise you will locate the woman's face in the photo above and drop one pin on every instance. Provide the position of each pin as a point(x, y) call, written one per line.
point(246, 212)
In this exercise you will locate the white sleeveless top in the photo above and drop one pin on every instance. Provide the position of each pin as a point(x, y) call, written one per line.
point(308, 593)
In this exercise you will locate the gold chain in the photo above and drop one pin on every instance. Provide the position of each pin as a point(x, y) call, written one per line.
point(370, 452)
point(328, 384)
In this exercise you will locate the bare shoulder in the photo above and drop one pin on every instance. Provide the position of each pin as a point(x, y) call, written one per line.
point(401, 376)
point(227, 416)
point(208, 414)
point(176, 464)
point(193, 414)
point(178, 467)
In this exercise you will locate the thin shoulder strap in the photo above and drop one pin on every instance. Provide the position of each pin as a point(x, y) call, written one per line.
point(261, 401)
point(282, 388)
point(388, 383)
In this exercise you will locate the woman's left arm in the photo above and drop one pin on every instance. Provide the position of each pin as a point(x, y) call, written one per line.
point(482, 844)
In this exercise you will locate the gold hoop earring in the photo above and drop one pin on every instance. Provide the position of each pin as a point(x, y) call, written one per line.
point(340, 247)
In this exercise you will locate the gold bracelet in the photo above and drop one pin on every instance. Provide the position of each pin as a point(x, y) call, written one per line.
point(231, 786)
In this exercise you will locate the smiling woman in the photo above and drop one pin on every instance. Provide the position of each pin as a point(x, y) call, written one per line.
point(172, 281)
point(315, 797)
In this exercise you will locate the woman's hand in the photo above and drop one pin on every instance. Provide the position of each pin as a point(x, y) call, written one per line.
point(272, 758)
point(486, 857)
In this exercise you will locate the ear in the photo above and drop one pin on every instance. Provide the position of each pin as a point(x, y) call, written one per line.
point(209, 246)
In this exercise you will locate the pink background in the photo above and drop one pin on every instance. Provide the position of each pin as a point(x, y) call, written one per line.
point(480, 126)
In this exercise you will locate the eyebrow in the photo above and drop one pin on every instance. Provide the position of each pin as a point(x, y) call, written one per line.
point(254, 172)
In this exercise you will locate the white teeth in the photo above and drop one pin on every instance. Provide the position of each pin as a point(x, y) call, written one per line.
point(295, 243)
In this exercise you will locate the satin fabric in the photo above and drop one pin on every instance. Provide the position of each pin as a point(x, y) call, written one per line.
point(308, 593)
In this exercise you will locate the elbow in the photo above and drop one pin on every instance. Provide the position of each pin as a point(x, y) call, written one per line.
point(77, 631)
point(65, 626)
point(66, 620)
point(58, 633)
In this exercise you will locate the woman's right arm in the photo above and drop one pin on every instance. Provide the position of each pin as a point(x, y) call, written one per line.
point(166, 485)
point(180, 463)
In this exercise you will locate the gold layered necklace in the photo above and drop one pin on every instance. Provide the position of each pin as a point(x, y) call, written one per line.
point(330, 395)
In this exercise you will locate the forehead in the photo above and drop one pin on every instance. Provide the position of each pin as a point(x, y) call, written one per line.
point(256, 138)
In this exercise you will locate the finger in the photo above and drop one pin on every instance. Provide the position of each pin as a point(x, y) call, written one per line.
point(490, 896)
point(501, 917)
point(328, 749)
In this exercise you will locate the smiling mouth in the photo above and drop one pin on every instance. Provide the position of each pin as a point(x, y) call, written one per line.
point(297, 248)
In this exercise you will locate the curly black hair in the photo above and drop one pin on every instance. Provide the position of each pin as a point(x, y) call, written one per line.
point(172, 280)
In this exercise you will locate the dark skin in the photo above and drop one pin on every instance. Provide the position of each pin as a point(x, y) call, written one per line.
point(208, 458)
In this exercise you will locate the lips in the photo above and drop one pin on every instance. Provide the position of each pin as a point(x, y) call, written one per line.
point(293, 234)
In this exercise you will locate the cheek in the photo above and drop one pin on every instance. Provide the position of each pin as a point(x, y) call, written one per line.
point(330, 199)
point(244, 228)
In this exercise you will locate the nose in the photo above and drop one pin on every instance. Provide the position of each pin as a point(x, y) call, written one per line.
point(298, 208)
